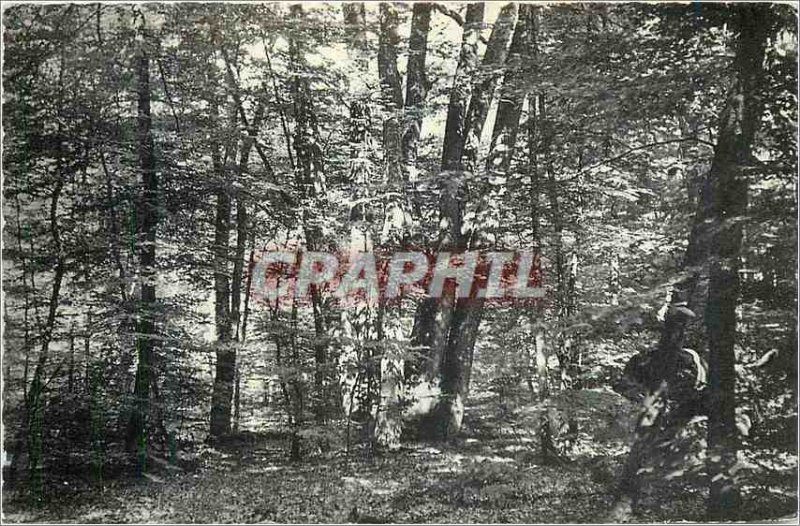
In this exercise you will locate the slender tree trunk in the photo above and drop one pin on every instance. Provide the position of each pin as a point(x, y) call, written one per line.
point(613, 279)
point(225, 368)
point(19, 443)
point(147, 223)
point(248, 286)
point(417, 84)
point(483, 92)
point(353, 361)
point(310, 178)
point(242, 235)
point(36, 395)
point(388, 418)
point(547, 450)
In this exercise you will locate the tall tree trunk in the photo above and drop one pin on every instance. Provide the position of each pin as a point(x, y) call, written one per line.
point(468, 313)
point(432, 318)
point(228, 294)
point(225, 369)
point(226, 357)
point(454, 133)
point(387, 421)
point(509, 107)
point(36, 398)
point(19, 443)
point(242, 236)
point(353, 359)
point(740, 121)
point(147, 223)
point(547, 450)
point(449, 327)
point(714, 244)
point(310, 179)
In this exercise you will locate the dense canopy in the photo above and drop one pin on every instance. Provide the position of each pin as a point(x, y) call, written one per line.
point(642, 157)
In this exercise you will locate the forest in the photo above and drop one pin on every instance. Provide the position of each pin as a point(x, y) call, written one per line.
point(399, 262)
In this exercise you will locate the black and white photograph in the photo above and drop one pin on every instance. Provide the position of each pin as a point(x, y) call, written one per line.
point(399, 262)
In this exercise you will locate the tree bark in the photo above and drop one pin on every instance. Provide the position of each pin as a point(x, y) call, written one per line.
point(509, 108)
point(468, 313)
point(36, 401)
point(714, 247)
point(310, 179)
point(740, 121)
point(449, 327)
point(226, 356)
point(147, 223)
point(483, 92)
point(433, 315)
point(547, 450)
point(454, 133)
point(417, 84)
point(387, 420)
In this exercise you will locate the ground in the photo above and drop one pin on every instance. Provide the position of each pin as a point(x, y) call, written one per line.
point(488, 475)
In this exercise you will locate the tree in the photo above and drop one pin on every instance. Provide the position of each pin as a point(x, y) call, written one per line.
point(417, 84)
point(452, 338)
point(432, 318)
point(739, 123)
point(714, 244)
point(311, 183)
point(146, 227)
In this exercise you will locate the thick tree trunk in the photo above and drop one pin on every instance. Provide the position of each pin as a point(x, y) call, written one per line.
point(454, 133)
point(432, 319)
point(509, 107)
point(714, 247)
point(467, 314)
point(391, 84)
point(448, 328)
point(740, 121)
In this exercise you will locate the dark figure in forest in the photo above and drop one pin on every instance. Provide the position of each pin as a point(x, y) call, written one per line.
point(642, 374)
point(671, 384)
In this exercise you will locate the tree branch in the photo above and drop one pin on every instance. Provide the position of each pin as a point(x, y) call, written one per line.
point(237, 99)
point(639, 148)
point(168, 96)
point(456, 17)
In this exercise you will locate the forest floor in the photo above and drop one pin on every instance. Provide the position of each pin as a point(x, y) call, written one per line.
point(488, 475)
